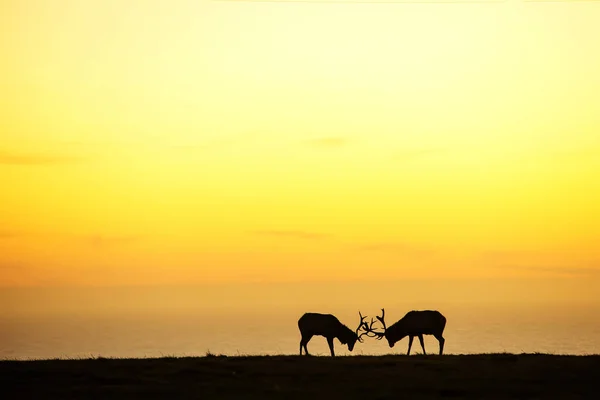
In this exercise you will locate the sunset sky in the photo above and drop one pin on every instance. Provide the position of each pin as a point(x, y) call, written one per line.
point(148, 142)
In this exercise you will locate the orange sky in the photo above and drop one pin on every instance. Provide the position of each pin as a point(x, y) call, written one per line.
point(155, 142)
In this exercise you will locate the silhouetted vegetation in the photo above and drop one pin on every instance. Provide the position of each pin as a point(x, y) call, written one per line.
point(493, 376)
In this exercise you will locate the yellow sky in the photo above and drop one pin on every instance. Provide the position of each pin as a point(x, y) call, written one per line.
point(151, 142)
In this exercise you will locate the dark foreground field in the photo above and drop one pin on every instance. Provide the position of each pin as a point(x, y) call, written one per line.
point(498, 376)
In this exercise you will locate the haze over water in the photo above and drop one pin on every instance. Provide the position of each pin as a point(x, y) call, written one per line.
point(124, 322)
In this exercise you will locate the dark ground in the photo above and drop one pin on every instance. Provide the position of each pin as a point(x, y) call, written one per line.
point(495, 376)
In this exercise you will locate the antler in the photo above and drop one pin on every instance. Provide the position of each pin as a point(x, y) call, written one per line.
point(360, 325)
point(369, 332)
point(381, 319)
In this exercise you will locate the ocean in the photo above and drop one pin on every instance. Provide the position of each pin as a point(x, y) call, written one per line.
point(86, 330)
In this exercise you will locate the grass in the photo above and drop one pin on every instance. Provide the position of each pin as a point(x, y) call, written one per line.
point(490, 376)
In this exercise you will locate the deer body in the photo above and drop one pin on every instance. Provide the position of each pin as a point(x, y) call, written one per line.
point(417, 323)
point(327, 325)
point(414, 323)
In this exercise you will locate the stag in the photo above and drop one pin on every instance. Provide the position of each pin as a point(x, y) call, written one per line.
point(328, 326)
point(414, 323)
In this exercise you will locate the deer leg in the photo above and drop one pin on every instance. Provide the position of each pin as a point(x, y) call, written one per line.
point(303, 343)
point(330, 343)
point(422, 343)
point(442, 341)
point(410, 340)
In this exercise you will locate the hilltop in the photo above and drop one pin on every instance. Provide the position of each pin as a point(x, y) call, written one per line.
point(491, 376)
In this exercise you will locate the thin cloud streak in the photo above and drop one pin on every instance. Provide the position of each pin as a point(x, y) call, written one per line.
point(9, 158)
point(8, 235)
point(576, 155)
point(395, 247)
point(409, 155)
point(12, 267)
point(574, 271)
point(293, 234)
point(328, 142)
point(380, 1)
point(101, 241)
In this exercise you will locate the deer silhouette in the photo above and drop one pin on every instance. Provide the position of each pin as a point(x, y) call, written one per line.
point(414, 323)
point(328, 326)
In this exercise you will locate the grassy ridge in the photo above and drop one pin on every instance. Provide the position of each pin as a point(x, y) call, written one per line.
point(493, 376)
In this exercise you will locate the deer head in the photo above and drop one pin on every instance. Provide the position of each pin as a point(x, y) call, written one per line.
point(356, 337)
point(384, 334)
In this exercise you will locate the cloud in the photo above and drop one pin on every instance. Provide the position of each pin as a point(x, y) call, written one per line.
point(382, 1)
point(576, 155)
point(552, 262)
point(563, 270)
point(291, 234)
point(101, 241)
point(219, 142)
point(395, 247)
point(409, 155)
point(9, 158)
point(11, 267)
point(8, 235)
point(328, 142)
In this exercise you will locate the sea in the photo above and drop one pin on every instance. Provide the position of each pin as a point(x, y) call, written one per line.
point(53, 326)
